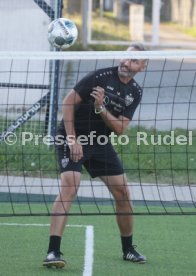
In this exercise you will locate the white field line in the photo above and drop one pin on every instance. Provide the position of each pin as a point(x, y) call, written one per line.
point(89, 242)
point(38, 224)
point(89, 251)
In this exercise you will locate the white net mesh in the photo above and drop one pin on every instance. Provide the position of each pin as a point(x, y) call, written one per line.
point(159, 173)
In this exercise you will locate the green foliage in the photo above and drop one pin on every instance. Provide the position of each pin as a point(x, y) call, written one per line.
point(191, 31)
point(103, 28)
point(33, 158)
point(107, 27)
point(158, 163)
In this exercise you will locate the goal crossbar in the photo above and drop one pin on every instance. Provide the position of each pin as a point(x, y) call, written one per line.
point(98, 55)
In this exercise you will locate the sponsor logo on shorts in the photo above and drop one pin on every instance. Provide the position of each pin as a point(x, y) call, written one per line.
point(64, 162)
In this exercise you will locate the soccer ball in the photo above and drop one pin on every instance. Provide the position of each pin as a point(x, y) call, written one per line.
point(62, 33)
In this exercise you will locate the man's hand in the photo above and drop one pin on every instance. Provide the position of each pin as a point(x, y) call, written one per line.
point(98, 94)
point(76, 152)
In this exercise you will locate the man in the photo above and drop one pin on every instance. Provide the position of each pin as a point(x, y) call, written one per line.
point(102, 102)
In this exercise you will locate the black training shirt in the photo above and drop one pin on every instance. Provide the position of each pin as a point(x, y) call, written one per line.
point(120, 99)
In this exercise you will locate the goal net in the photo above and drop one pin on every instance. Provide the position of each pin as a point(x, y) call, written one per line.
point(159, 158)
point(28, 23)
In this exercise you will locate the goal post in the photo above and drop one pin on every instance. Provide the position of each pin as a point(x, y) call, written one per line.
point(54, 10)
point(34, 16)
point(159, 158)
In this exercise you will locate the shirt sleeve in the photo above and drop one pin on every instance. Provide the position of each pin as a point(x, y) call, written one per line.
point(85, 86)
point(130, 110)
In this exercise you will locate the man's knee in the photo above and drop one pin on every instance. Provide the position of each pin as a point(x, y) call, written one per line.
point(121, 194)
point(70, 182)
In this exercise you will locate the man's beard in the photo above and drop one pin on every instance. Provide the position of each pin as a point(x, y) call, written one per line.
point(125, 73)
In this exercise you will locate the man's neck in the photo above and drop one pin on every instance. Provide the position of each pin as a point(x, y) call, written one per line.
point(125, 80)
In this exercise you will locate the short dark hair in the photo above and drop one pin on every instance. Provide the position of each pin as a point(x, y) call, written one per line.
point(138, 46)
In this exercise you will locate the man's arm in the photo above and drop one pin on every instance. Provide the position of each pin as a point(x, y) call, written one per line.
point(69, 102)
point(118, 125)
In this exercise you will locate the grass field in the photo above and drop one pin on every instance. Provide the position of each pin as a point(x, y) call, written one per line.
point(144, 163)
point(167, 241)
point(103, 28)
point(189, 31)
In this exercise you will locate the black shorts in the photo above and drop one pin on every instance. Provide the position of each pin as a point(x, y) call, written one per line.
point(99, 160)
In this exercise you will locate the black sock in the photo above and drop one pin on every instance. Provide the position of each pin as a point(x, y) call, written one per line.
point(54, 244)
point(126, 243)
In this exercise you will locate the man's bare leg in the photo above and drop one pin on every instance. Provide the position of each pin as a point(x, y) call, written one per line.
point(118, 187)
point(70, 182)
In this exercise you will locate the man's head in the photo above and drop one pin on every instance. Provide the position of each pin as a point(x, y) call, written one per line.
point(136, 47)
point(128, 68)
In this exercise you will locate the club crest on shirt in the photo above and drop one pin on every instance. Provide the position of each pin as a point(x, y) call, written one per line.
point(128, 100)
point(64, 162)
